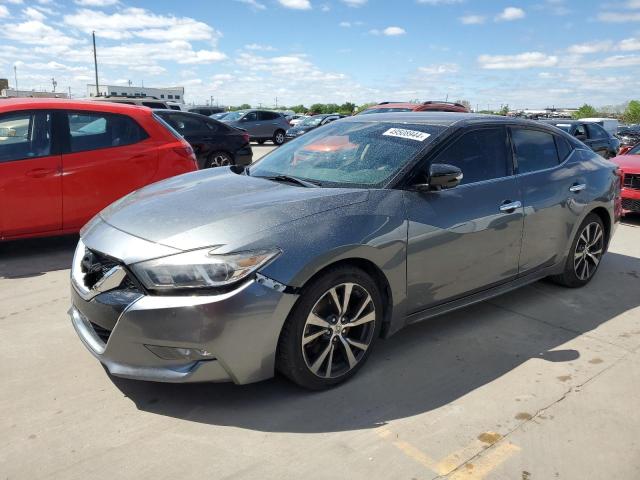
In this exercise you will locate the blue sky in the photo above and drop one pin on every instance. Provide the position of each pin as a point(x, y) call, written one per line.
point(528, 54)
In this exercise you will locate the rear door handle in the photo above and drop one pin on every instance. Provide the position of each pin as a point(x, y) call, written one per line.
point(578, 187)
point(509, 206)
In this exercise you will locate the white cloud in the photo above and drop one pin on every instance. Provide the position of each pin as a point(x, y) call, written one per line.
point(96, 3)
point(440, 2)
point(618, 17)
point(615, 62)
point(473, 19)
point(510, 13)
point(592, 47)
point(259, 47)
point(4, 11)
point(355, 3)
point(296, 4)
point(253, 4)
point(140, 23)
point(440, 69)
point(35, 32)
point(393, 31)
point(345, 24)
point(516, 62)
point(629, 44)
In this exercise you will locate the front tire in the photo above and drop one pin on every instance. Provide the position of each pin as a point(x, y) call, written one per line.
point(331, 330)
point(585, 255)
point(278, 137)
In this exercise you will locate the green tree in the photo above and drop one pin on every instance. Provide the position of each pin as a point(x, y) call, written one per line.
point(585, 111)
point(364, 106)
point(504, 110)
point(317, 108)
point(299, 108)
point(632, 113)
point(244, 106)
point(347, 108)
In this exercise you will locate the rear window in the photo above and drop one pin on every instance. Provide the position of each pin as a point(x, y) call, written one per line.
point(93, 130)
point(535, 150)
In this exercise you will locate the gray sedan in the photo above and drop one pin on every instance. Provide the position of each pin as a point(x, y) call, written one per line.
point(337, 238)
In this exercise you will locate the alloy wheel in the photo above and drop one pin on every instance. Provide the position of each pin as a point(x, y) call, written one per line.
point(338, 330)
point(588, 251)
point(279, 138)
point(220, 160)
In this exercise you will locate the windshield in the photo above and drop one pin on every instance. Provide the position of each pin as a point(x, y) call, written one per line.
point(386, 110)
point(311, 121)
point(218, 116)
point(234, 116)
point(348, 154)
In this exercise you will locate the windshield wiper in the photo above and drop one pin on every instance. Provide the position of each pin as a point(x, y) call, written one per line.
point(290, 179)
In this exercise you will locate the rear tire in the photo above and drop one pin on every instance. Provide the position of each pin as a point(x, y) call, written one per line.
point(585, 254)
point(323, 343)
point(219, 159)
point(278, 137)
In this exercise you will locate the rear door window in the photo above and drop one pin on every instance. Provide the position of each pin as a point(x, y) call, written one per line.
point(480, 154)
point(187, 124)
point(534, 150)
point(596, 132)
point(92, 131)
point(251, 117)
point(25, 135)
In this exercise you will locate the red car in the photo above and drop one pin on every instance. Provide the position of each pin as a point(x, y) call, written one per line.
point(629, 164)
point(63, 161)
point(432, 106)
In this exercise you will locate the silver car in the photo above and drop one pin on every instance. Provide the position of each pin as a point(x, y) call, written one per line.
point(337, 238)
point(262, 125)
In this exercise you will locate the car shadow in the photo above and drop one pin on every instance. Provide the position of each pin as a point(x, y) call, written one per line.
point(632, 219)
point(421, 368)
point(35, 257)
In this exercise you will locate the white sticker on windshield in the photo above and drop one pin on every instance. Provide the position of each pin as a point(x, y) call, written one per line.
point(404, 133)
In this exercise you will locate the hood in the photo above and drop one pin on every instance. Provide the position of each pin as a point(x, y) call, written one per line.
point(628, 163)
point(217, 207)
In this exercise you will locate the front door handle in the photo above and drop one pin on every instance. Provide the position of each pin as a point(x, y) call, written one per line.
point(577, 187)
point(40, 172)
point(509, 207)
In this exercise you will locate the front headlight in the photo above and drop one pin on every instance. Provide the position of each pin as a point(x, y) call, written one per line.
point(200, 269)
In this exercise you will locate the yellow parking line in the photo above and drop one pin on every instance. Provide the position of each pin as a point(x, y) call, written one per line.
point(486, 462)
point(408, 449)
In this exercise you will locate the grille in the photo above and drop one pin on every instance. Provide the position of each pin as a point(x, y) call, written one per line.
point(630, 204)
point(632, 181)
point(101, 332)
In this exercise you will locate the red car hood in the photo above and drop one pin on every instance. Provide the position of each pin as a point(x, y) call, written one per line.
point(628, 163)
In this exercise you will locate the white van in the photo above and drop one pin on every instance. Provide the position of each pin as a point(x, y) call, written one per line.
point(609, 124)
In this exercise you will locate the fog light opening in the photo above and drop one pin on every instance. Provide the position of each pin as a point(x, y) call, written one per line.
point(180, 353)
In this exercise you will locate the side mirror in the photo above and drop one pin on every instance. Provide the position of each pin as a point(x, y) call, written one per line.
point(441, 176)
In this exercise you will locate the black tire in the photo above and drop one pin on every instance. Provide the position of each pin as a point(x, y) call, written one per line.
point(278, 137)
point(261, 142)
point(219, 159)
point(574, 268)
point(293, 357)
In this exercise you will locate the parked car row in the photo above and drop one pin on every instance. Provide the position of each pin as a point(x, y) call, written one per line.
point(591, 133)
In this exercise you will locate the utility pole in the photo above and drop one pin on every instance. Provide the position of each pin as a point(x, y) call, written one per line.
point(69, 92)
point(276, 102)
point(211, 100)
point(15, 74)
point(54, 84)
point(95, 63)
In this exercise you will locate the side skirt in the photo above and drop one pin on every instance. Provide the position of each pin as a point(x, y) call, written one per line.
point(481, 296)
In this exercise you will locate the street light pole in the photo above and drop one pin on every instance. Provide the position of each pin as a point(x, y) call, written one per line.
point(15, 74)
point(95, 63)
